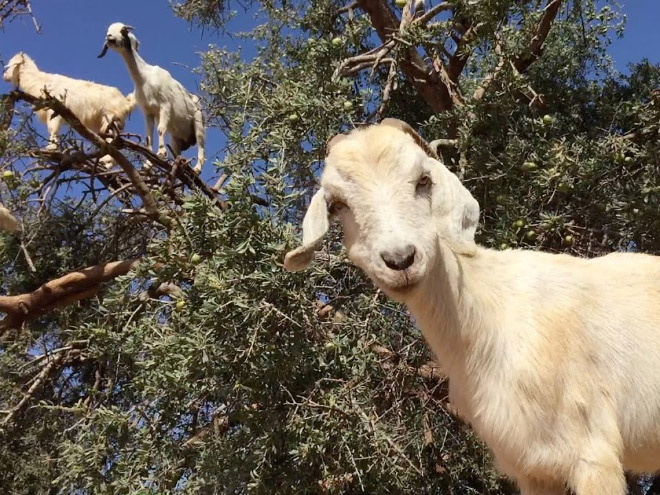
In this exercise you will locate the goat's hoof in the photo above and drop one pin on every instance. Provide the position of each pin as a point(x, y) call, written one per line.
point(197, 169)
point(162, 153)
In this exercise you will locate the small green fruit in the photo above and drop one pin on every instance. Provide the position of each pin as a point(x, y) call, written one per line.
point(628, 159)
point(401, 3)
point(520, 223)
point(7, 175)
point(294, 117)
point(568, 239)
point(548, 119)
point(563, 187)
point(530, 235)
point(195, 259)
point(528, 166)
point(348, 106)
point(337, 42)
point(501, 199)
point(620, 157)
point(180, 304)
point(504, 246)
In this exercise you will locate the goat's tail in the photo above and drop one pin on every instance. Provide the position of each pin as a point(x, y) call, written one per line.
point(131, 102)
point(7, 220)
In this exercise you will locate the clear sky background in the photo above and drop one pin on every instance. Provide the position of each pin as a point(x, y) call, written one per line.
point(73, 32)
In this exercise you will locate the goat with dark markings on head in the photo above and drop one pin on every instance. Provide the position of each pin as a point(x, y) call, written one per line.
point(163, 100)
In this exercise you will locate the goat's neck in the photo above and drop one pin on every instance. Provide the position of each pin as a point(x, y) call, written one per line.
point(450, 306)
point(31, 79)
point(136, 66)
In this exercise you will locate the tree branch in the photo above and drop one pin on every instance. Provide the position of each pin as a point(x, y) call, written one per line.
point(59, 293)
point(41, 378)
point(429, 85)
point(184, 174)
point(431, 13)
point(10, 9)
point(535, 49)
point(107, 148)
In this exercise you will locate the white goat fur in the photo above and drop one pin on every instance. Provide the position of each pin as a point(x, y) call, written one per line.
point(554, 360)
point(95, 105)
point(162, 98)
point(7, 221)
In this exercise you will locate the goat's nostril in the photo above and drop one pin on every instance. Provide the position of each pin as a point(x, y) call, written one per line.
point(399, 259)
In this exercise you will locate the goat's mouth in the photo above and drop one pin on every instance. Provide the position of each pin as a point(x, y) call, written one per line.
point(398, 284)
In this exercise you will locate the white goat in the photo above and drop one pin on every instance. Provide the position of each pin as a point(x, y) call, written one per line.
point(553, 360)
point(95, 105)
point(7, 220)
point(162, 98)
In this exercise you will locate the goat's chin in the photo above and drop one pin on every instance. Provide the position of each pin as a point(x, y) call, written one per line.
point(398, 285)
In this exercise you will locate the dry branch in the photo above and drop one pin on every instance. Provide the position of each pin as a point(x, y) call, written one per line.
point(10, 9)
point(185, 174)
point(59, 293)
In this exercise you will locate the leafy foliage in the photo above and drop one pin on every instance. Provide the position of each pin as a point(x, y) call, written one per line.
point(208, 368)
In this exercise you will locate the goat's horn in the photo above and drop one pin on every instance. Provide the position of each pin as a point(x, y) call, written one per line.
point(402, 126)
point(103, 52)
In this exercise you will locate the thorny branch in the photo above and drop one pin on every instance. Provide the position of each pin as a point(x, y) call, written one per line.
point(43, 375)
point(10, 9)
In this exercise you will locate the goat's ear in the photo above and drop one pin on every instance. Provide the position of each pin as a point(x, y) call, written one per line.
point(333, 142)
point(455, 210)
point(103, 51)
point(402, 126)
point(315, 225)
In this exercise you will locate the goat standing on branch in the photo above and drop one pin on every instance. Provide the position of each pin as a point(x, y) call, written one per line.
point(97, 106)
point(162, 98)
point(552, 359)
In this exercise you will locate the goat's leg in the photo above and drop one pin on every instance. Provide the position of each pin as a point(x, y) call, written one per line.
point(53, 123)
point(602, 476)
point(149, 125)
point(200, 135)
point(175, 144)
point(163, 124)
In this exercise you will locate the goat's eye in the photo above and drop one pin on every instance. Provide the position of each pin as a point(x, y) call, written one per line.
point(336, 206)
point(423, 183)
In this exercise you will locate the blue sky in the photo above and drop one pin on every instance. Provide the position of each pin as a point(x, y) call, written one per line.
point(73, 33)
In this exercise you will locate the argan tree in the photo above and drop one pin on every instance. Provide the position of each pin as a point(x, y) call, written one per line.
point(153, 343)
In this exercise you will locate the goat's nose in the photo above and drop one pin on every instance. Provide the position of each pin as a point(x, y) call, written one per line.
point(400, 258)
